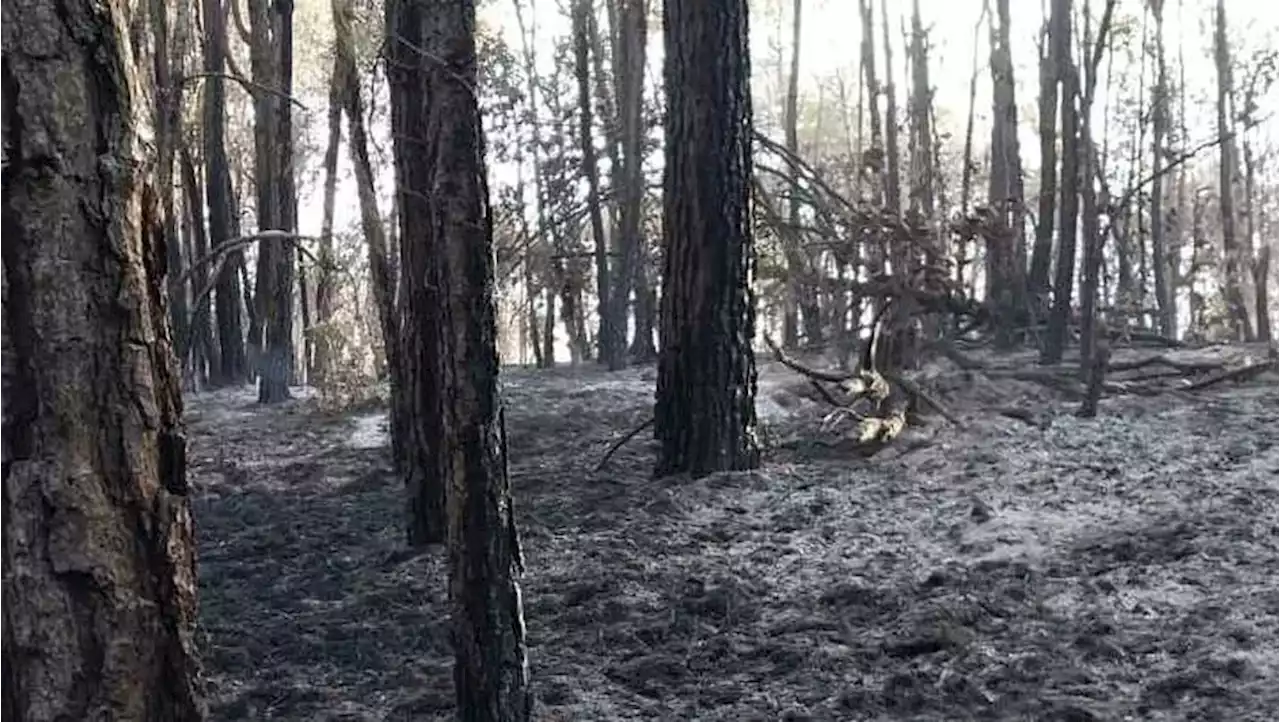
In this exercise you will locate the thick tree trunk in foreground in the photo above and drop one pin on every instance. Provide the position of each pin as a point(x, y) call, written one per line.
point(705, 413)
point(1064, 274)
point(99, 568)
point(490, 671)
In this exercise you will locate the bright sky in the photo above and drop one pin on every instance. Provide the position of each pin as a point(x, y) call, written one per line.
point(830, 33)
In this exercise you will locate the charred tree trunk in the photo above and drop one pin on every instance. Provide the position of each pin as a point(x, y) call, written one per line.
point(324, 274)
point(705, 413)
point(1163, 271)
point(223, 223)
point(1092, 232)
point(528, 37)
point(799, 262)
point(892, 180)
point(1064, 276)
point(1006, 247)
point(1236, 311)
point(415, 81)
point(168, 108)
point(272, 57)
point(632, 36)
point(1050, 62)
point(201, 338)
point(99, 555)
point(383, 280)
point(609, 350)
point(490, 670)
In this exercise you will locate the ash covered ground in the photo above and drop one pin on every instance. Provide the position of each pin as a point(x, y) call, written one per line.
point(1035, 568)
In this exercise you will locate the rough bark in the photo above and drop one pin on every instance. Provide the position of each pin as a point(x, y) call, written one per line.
point(98, 553)
point(271, 55)
point(414, 79)
point(168, 105)
point(704, 417)
point(223, 223)
point(490, 671)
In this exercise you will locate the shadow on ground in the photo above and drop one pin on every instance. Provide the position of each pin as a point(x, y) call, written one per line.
point(1121, 567)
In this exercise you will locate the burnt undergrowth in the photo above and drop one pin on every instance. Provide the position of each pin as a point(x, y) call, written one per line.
point(1067, 569)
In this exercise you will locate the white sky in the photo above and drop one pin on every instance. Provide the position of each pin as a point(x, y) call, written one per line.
point(830, 32)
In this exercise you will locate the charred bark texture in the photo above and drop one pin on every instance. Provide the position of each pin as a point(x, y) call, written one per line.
point(98, 553)
point(414, 79)
point(223, 223)
point(490, 671)
point(705, 418)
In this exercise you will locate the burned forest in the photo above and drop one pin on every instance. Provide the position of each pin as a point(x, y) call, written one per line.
point(513, 361)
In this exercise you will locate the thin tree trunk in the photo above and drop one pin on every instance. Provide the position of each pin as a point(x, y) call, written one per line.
point(892, 182)
point(223, 223)
point(632, 38)
point(324, 340)
point(1042, 250)
point(382, 279)
point(1236, 312)
point(528, 39)
point(1168, 322)
point(1064, 275)
point(799, 263)
point(966, 178)
point(608, 350)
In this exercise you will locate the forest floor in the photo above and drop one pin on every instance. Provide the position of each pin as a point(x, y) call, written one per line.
point(1051, 568)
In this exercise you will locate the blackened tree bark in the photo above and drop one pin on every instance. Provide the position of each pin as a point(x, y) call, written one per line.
point(223, 223)
point(1042, 250)
point(892, 180)
point(608, 349)
point(1234, 296)
point(206, 354)
point(490, 671)
point(413, 80)
point(168, 107)
point(1006, 247)
point(383, 280)
point(325, 273)
point(271, 54)
point(1091, 226)
point(1160, 258)
point(632, 36)
point(1064, 274)
point(799, 263)
point(705, 413)
point(98, 553)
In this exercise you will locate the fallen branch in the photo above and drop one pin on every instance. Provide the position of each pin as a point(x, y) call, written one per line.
point(916, 390)
point(1241, 373)
point(613, 449)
